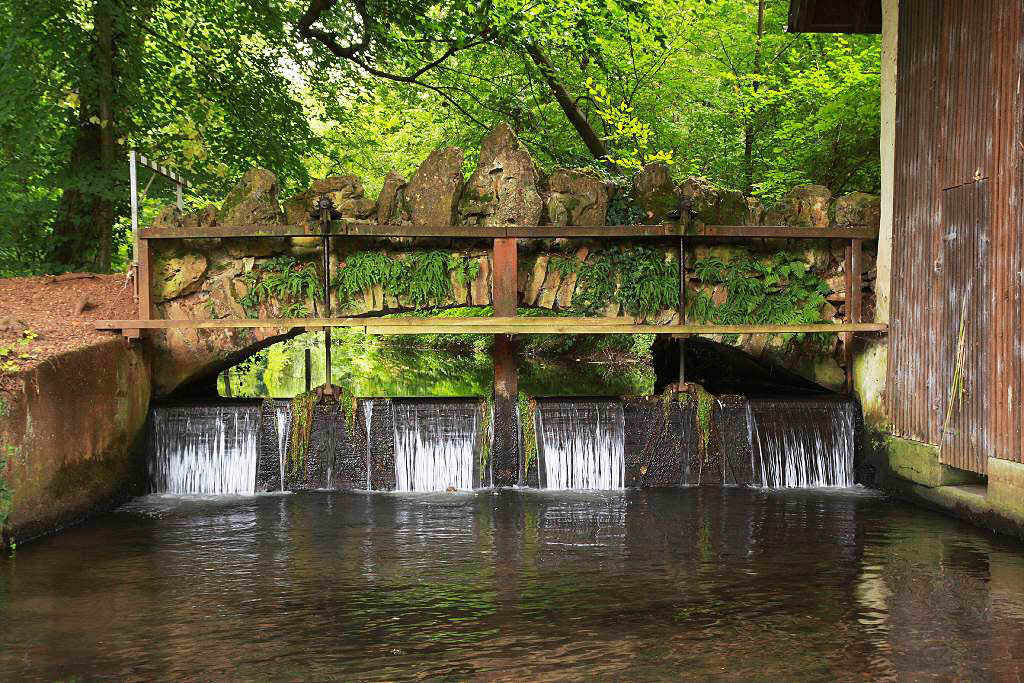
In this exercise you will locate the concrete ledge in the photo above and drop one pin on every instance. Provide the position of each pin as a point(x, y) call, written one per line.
point(918, 463)
point(73, 436)
point(971, 503)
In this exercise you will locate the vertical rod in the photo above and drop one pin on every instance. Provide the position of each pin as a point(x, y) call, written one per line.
point(180, 196)
point(682, 309)
point(134, 184)
point(327, 309)
point(227, 383)
point(848, 336)
point(308, 364)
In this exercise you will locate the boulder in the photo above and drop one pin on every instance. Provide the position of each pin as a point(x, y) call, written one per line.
point(346, 192)
point(577, 198)
point(804, 206)
point(432, 196)
point(177, 275)
point(709, 204)
point(391, 208)
point(253, 201)
point(653, 190)
point(203, 218)
point(859, 208)
point(168, 217)
point(503, 188)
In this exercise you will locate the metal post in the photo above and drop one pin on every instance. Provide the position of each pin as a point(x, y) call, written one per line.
point(134, 183)
point(308, 364)
point(848, 336)
point(682, 309)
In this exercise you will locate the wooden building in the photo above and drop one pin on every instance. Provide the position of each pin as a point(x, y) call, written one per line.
point(952, 190)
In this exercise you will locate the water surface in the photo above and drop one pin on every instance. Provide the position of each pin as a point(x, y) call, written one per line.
point(648, 584)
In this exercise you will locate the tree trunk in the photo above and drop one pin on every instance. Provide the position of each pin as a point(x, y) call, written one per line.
point(748, 130)
point(83, 231)
point(572, 112)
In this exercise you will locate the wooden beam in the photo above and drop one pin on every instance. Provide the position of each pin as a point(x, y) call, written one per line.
point(496, 325)
point(216, 231)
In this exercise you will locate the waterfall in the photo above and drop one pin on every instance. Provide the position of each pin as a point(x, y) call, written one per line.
point(435, 445)
point(368, 420)
point(581, 444)
point(801, 443)
point(283, 417)
point(203, 449)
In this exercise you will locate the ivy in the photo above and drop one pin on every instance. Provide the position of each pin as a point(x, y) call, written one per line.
point(640, 279)
point(776, 291)
point(423, 278)
point(283, 278)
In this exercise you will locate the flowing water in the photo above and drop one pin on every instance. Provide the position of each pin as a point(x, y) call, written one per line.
point(436, 444)
point(581, 444)
point(516, 585)
point(367, 422)
point(203, 449)
point(802, 443)
point(283, 423)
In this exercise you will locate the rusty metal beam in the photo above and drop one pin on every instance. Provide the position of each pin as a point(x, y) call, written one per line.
point(339, 228)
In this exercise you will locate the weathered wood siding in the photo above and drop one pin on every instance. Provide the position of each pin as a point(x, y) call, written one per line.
point(956, 302)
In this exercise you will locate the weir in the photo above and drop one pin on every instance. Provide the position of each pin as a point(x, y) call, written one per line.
point(581, 444)
point(415, 445)
point(203, 449)
point(801, 443)
point(436, 444)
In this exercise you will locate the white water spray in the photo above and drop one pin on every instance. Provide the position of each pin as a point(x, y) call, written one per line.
point(582, 444)
point(368, 420)
point(283, 421)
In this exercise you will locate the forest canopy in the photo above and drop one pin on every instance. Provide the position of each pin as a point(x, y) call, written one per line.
point(306, 88)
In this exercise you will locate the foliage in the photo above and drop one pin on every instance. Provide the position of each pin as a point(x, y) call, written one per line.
point(486, 423)
point(285, 279)
point(640, 279)
point(10, 356)
point(776, 290)
point(528, 429)
point(705, 405)
point(302, 429)
point(628, 136)
point(423, 278)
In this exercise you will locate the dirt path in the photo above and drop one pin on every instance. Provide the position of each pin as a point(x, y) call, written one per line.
point(44, 316)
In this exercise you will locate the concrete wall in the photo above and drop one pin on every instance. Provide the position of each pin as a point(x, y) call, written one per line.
point(871, 356)
point(73, 434)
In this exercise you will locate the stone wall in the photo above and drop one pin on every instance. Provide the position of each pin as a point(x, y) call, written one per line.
point(73, 436)
point(219, 278)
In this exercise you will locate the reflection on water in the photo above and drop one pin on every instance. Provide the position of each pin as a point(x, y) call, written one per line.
point(513, 585)
point(370, 366)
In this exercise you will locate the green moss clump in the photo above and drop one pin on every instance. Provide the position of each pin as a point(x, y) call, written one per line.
point(486, 411)
point(527, 422)
point(349, 403)
point(705, 405)
point(302, 427)
point(5, 490)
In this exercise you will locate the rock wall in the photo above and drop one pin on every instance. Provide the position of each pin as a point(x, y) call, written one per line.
point(219, 278)
point(73, 436)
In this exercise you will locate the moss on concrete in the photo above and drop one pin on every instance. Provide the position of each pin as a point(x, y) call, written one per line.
point(919, 463)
